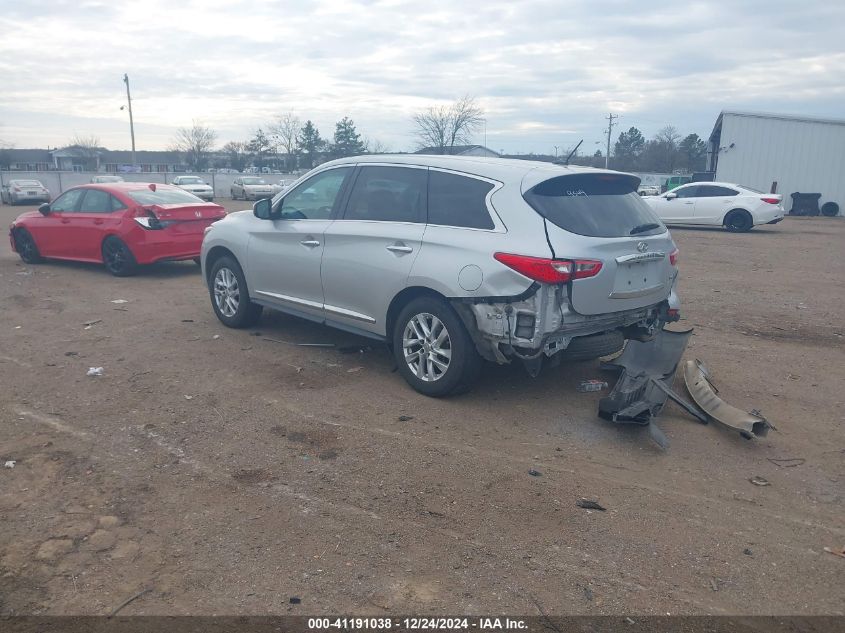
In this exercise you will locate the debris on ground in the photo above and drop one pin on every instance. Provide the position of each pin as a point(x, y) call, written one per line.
point(128, 600)
point(535, 473)
point(89, 324)
point(836, 551)
point(700, 387)
point(95, 371)
point(187, 320)
point(10, 463)
point(590, 504)
point(354, 349)
point(714, 585)
point(646, 372)
point(352, 370)
point(591, 385)
point(295, 600)
point(405, 418)
point(787, 462)
point(747, 552)
point(276, 340)
point(119, 301)
point(215, 337)
point(759, 481)
point(187, 397)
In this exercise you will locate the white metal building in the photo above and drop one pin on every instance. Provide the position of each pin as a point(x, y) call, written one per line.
point(800, 154)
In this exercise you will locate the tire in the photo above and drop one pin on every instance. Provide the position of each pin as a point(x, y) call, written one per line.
point(593, 346)
point(117, 257)
point(739, 221)
point(830, 209)
point(230, 295)
point(462, 363)
point(26, 247)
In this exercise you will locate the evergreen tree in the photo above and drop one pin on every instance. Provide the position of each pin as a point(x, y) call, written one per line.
point(309, 144)
point(347, 141)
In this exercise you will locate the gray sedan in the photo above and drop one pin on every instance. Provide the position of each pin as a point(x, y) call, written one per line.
point(26, 191)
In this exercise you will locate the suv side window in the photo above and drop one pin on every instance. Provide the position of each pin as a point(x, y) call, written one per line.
point(388, 194)
point(458, 201)
point(67, 202)
point(687, 192)
point(315, 198)
point(714, 191)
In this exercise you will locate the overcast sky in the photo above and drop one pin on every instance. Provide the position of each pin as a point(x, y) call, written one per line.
point(545, 72)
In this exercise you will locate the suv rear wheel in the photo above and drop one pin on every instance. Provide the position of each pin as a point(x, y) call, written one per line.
point(433, 350)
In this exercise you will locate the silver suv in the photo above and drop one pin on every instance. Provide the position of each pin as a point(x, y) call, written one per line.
point(451, 260)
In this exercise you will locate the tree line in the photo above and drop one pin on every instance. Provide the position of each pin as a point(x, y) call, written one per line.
point(284, 143)
point(667, 152)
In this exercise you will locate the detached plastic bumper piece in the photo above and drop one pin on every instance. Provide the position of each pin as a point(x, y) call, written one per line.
point(702, 390)
point(646, 372)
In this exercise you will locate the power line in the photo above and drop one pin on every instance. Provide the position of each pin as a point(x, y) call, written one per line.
point(610, 124)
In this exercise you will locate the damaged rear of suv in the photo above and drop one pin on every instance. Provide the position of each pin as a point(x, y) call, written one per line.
point(452, 260)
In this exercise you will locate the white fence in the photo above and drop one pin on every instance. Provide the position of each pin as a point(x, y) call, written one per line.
point(58, 181)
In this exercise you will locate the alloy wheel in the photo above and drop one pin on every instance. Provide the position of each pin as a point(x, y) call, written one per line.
point(227, 294)
point(115, 255)
point(427, 347)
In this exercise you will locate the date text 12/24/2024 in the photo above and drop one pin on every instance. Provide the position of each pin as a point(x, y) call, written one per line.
point(417, 624)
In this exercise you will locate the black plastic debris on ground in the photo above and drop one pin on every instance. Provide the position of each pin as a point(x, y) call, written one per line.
point(646, 372)
point(589, 504)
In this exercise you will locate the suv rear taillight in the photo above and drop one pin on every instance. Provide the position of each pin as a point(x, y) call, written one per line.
point(550, 271)
point(673, 257)
point(771, 200)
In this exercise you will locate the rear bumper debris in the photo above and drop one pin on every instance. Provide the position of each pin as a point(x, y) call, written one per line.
point(647, 370)
point(697, 379)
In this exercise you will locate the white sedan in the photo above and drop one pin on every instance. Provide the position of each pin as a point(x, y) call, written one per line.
point(736, 208)
point(196, 186)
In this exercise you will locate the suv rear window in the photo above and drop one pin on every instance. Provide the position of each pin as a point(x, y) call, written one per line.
point(595, 205)
point(458, 201)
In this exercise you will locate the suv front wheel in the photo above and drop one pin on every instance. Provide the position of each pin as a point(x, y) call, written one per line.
point(230, 296)
point(433, 350)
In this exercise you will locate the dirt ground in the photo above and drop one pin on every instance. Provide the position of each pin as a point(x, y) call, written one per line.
point(229, 473)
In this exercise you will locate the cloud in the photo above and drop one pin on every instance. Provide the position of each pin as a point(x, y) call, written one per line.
point(546, 72)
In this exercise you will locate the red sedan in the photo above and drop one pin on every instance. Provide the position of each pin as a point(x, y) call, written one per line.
point(121, 225)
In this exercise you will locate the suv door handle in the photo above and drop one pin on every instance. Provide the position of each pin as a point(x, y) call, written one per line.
point(310, 243)
point(396, 248)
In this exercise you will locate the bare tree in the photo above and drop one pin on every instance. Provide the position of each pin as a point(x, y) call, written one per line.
point(87, 148)
point(667, 137)
point(442, 127)
point(284, 131)
point(375, 146)
point(196, 142)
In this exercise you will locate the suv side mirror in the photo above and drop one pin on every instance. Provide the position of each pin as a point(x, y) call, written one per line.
point(671, 195)
point(44, 209)
point(263, 209)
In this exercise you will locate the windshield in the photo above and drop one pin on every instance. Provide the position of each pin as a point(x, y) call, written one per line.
point(254, 181)
point(162, 196)
point(192, 180)
point(595, 205)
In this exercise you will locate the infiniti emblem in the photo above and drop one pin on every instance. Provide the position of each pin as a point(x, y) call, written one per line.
point(642, 247)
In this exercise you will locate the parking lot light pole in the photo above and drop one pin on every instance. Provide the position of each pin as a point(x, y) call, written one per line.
point(131, 122)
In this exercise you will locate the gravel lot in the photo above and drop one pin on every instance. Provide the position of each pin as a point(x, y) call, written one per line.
point(228, 472)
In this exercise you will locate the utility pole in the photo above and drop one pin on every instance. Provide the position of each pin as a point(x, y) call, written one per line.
point(555, 151)
point(132, 123)
point(610, 118)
